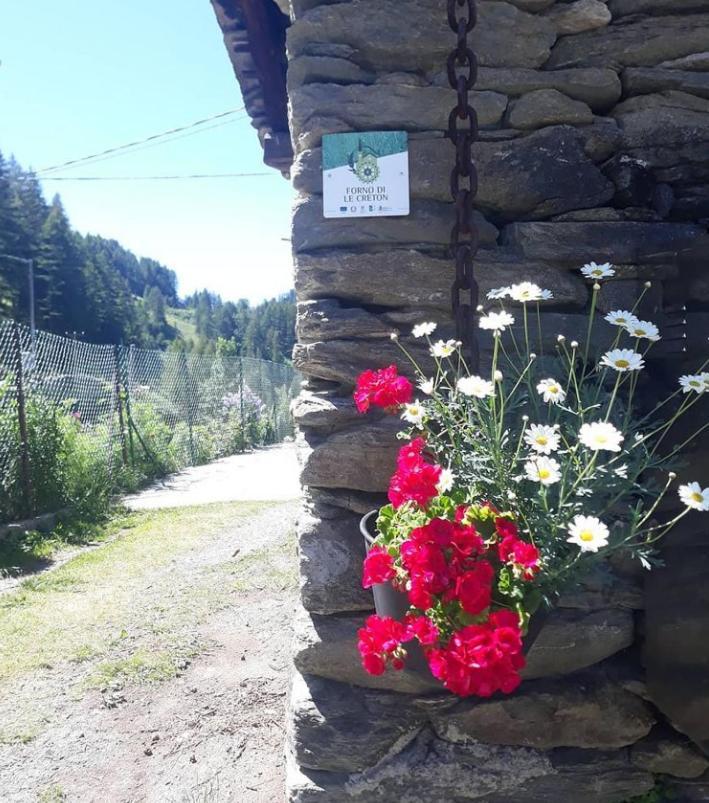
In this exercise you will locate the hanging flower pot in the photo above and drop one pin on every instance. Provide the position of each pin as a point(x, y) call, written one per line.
point(503, 487)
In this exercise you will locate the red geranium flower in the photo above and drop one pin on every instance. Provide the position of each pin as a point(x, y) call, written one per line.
point(505, 527)
point(379, 639)
point(384, 388)
point(523, 556)
point(378, 567)
point(481, 659)
point(414, 480)
point(473, 588)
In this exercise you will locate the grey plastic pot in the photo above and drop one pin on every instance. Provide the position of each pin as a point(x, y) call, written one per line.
point(390, 602)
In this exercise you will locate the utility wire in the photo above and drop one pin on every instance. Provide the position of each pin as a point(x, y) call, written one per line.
point(158, 178)
point(152, 145)
point(152, 137)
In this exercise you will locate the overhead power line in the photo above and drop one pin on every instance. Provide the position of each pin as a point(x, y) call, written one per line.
point(159, 178)
point(135, 143)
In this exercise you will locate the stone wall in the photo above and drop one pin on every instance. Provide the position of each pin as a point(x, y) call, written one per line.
point(594, 145)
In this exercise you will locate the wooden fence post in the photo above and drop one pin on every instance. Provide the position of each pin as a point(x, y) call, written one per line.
point(119, 400)
point(22, 421)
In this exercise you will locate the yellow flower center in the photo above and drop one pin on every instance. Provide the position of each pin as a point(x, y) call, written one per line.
point(697, 497)
point(542, 440)
point(622, 363)
point(544, 473)
point(586, 535)
point(554, 389)
point(639, 332)
point(695, 384)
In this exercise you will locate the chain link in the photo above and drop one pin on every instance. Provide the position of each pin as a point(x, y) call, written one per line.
point(462, 68)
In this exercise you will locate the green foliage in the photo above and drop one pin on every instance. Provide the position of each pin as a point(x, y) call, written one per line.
point(83, 284)
point(97, 288)
point(266, 331)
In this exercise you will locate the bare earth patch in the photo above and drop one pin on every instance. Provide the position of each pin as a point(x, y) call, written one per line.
point(154, 667)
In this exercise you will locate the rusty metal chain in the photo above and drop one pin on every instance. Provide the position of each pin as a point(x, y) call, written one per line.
point(462, 67)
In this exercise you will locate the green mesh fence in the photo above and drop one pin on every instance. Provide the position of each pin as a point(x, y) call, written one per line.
point(70, 409)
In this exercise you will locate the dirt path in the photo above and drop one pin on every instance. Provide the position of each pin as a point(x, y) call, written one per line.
point(154, 667)
point(270, 473)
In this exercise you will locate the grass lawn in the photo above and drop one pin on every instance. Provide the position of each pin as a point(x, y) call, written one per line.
point(126, 606)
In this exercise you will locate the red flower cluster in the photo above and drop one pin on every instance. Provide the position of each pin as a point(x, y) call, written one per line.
point(441, 559)
point(384, 388)
point(414, 480)
point(378, 567)
point(450, 571)
point(522, 556)
point(481, 659)
point(381, 639)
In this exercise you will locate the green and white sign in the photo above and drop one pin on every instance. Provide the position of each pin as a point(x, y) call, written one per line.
point(365, 174)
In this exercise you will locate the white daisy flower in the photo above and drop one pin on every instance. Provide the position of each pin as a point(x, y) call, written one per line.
point(525, 291)
point(542, 438)
point(694, 496)
point(693, 383)
point(546, 295)
point(593, 271)
point(497, 321)
point(445, 481)
point(475, 386)
point(414, 413)
point(424, 329)
point(621, 317)
point(644, 329)
point(498, 292)
point(705, 379)
point(600, 435)
point(623, 360)
point(588, 533)
point(444, 348)
point(544, 470)
point(426, 386)
point(551, 391)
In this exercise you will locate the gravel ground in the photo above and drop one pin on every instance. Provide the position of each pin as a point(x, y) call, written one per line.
point(155, 667)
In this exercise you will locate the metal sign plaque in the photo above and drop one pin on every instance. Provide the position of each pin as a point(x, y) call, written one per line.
point(365, 174)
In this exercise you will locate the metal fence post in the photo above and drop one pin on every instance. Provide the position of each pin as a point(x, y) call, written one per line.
point(22, 421)
point(187, 391)
point(119, 402)
point(241, 404)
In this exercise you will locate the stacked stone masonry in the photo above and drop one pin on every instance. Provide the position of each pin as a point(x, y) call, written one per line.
point(594, 145)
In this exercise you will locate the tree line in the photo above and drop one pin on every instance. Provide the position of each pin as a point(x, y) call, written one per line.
point(96, 289)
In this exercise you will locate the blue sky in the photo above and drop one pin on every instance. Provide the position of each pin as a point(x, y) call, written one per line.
point(80, 76)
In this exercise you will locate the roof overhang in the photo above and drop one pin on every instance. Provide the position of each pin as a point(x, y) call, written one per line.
point(255, 38)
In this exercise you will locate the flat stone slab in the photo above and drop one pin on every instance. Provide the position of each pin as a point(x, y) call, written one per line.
point(504, 36)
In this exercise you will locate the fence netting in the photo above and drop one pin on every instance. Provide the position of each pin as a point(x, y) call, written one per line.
point(126, 412)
